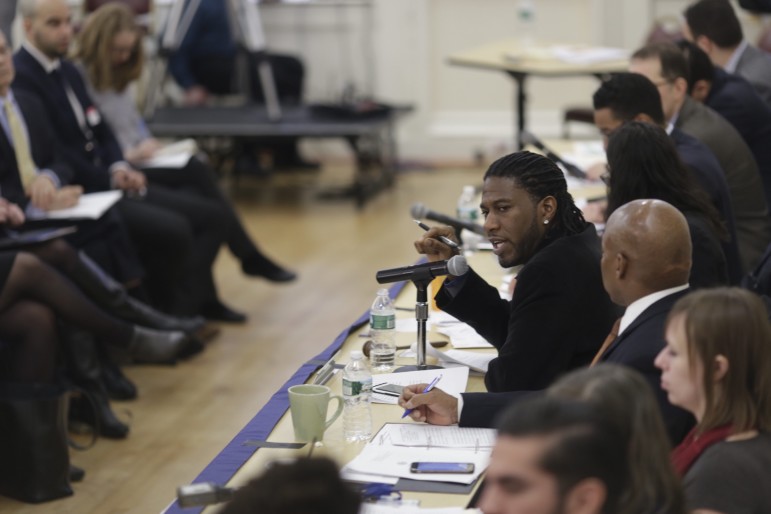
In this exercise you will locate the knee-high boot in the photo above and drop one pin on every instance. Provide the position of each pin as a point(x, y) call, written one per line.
point(84, 369)
point(113, 297)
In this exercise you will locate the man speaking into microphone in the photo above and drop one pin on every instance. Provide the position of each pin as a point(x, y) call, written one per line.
point(559, 313)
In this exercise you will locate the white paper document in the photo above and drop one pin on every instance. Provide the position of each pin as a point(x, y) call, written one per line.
point(173, 155)
point(476, 361)
point(580, 54)
point(453, 381)
point(395, 461)
point(91, 206)
point(433, 436)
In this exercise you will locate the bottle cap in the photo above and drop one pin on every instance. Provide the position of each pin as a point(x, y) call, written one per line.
point(356, 355)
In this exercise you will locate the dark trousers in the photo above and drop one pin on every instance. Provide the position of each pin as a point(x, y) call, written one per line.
point(197, 178)
point(178, 234)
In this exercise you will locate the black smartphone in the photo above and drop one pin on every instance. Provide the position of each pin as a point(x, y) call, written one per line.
point(461, 468)
point(388, 389)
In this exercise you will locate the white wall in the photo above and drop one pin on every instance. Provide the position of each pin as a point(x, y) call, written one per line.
point(397, 50)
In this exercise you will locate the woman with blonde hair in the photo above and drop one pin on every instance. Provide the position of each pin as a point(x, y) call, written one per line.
point(625, 396)
point(111, 56)
point(717, 365)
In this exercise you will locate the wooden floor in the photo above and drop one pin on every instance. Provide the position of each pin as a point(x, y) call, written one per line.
point(187, 413)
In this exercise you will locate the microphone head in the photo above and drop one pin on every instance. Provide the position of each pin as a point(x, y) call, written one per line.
point(457, 266)
point(418, 211)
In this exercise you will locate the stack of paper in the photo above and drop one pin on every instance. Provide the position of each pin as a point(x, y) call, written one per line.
point(173, 155)
point(475, 361)
point(90, 206)
point(383, 461)
point(461, 334)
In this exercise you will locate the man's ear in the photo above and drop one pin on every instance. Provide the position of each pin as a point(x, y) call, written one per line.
point(701, 90)
point(681, 85)
point(622, 265)
point(705, 44)
point(547, 209)
point(586, 497)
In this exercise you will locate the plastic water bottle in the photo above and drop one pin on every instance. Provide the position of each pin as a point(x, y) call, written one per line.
point(526, 21)
point(382, 329)
point(357, 387)
point(468, 210)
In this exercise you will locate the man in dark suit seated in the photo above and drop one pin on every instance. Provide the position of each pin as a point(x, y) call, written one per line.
point(629, 97)
point(177, 234)
point(665, 66)
point(646, 260)
point(714, 26)
point(559, 312)
point(736, 100)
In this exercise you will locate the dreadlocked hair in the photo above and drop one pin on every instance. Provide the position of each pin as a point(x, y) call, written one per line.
point(540, 178)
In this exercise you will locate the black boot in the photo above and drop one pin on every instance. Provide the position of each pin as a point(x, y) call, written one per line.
point(117, 385)
point(84, 369)
point(113, 297)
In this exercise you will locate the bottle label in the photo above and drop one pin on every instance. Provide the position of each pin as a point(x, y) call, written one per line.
point(381, 322)
point(356, 387)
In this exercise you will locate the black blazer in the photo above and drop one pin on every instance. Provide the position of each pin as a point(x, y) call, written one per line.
point(706, 169)
point(737, 101)
point(42, 146)
point(90, 152)
point(636, 347)
point(557, 319)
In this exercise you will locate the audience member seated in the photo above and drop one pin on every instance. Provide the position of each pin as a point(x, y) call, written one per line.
point(110, 52)
point(643, 163)
point(714, 26)
point(531, 220)
point(628, 96)
point(717, 365)
point(306, 486)
point(556, 455)
point(733, 98)
point(664, 65)
point(34, 176)
point(205, 63)
point(624, 394)
point(646, 259)
point(178, 234)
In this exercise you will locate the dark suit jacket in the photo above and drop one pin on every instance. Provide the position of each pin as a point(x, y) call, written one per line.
point(88, 152)
point(755, 66)
point(42, 146)
point(735, 99)
point(705, 168)
point(557, 319)
point(636, 347)
point(753, 226)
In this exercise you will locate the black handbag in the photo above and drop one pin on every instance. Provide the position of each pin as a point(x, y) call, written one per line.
point(34, 458)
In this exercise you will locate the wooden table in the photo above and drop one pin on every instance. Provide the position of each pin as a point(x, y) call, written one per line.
point(509, 57)
point(334, 445)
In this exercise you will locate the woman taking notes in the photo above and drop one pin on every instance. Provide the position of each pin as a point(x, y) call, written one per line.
point(717, 365)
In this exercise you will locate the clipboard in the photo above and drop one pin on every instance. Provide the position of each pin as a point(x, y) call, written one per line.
point(10, 239)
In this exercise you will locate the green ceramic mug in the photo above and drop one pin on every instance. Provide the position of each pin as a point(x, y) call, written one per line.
point(309, 404)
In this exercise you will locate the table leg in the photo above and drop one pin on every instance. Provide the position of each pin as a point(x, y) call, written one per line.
point(521, 102)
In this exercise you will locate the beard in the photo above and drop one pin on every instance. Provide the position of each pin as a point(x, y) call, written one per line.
point(525, 248)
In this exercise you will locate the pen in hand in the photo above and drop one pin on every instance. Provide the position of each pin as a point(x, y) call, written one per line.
point(449, 242)
point(427, 389)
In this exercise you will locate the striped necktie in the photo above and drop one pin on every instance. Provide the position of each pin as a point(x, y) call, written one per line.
point(26, 165)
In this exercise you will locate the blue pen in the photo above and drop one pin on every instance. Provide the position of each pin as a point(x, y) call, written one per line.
point(427, 389)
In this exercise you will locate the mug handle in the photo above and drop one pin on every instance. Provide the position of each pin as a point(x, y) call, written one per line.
point(337, 412)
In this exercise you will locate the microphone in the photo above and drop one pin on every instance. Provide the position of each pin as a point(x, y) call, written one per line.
point(528, 138)
point(420, 211)
point(456, 266)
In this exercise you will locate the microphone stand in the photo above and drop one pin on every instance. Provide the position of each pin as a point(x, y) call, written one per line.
point(421, 316)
